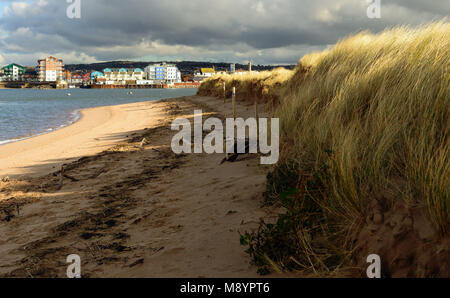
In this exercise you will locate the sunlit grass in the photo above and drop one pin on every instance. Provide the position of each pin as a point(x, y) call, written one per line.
point(364, 122)
point(381, 104)
point(262, 86)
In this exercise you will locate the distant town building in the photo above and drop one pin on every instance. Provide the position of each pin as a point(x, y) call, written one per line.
point(232, 68)
point(95, 75)
point(13, 72)
point(31, 75)
point(87, 78)
point(123, 76)
point(50, 69)
point(67, 75)
point(204, 73)
point(187, 78)
point(163, 73)
point(207, 72)
point(173, 75)
point(137, 74)
point(76, 79)
point(159, 73)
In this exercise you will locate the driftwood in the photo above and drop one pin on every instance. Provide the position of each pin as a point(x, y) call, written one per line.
point(71, 178)
point(143, 142)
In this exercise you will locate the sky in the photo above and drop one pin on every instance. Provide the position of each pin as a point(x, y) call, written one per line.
point(261, 31)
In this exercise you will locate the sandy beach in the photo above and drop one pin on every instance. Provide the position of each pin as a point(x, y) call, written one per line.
point(126, 203)
point(97, 130)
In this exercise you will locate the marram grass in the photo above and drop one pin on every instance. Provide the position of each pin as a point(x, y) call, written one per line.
point(364, 122)
point(262, 86)
point(381, 105)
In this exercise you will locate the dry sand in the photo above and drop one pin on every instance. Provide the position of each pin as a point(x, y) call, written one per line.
point(127, 210)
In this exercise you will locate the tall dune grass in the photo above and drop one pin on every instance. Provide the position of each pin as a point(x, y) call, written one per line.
point(367, 126)
point(381, 105)
point(365, 123)
point(261, 86)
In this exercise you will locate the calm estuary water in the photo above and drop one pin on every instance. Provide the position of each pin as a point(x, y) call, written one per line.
point(29, 112)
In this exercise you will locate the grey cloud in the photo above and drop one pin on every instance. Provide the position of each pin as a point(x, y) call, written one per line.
point(232, 30)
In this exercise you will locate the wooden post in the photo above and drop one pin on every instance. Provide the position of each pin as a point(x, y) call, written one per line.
point(234, 102)
point(224, 92)
point(257, 115)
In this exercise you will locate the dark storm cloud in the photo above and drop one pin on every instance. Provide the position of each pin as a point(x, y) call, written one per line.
point(275, 31)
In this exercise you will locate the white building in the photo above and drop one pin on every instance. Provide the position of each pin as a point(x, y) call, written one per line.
point(204, 73)
point(171, 75)
point(166, 73)
point(150, 72)
point(123, 76)
point(12, 72)
point(50, 69)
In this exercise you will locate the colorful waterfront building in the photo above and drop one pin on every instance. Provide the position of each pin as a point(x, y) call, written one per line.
point(67, 75)
point(13, 72)
point(77, 78)
point(204, 73)
point(50, 69)
point(87, 77)
point(137, 74)
point(97, 75)
point(208, 72)
point(166, 73)
point(123, 76)
point(159, 73)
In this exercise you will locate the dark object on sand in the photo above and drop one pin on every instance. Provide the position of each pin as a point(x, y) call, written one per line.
point(234, 156)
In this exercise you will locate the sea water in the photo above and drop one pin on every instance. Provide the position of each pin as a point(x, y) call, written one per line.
point(29, 112)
